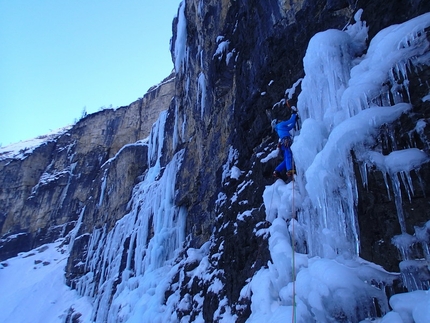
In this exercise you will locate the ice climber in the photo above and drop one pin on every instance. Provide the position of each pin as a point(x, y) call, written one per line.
point(283, 130)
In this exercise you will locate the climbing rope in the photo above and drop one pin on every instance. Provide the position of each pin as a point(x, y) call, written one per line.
point(293, 211)
point(293, 318)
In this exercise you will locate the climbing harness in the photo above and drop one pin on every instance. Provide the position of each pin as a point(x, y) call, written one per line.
point(287, 141)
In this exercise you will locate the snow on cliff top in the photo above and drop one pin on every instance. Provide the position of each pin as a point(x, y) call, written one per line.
point(21, 149)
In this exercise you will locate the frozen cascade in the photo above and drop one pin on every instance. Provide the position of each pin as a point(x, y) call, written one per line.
point(343, 106)
point(338, 107)
point(331, 183)
point(133, 258)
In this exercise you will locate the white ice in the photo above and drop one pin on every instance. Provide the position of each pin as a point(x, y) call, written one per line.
point(342, 107)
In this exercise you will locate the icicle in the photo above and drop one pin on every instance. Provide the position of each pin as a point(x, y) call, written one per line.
point(201, 86)
point(407, 183)
point(175, 138)
point(398, 201)
point(363, 173)
point(327, 64)
point(404, 243)
point(415, 274)
point(353, 220)
point(200, 8)
point(391, 140)
point(384, 174)
point(184, 125)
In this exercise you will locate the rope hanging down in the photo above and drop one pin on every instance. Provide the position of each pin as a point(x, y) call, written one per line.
point(293, 213)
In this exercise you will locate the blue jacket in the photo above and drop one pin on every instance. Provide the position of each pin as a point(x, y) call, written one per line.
point(283, 128)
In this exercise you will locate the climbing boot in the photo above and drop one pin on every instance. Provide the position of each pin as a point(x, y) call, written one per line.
point(291, 172)
point(276, 174)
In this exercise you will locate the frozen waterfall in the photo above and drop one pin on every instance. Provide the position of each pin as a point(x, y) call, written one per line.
point(137, 270)
point(344, 102)
point(141, 245)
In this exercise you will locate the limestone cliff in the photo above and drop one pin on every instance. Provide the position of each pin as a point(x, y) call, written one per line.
point(44, 188)
point(233, 61)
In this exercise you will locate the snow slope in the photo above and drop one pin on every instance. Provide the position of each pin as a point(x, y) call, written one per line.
point(33, 287)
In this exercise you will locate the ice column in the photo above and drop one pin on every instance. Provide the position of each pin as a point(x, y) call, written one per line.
point(327, 65)
point(181, 40)
point(330, 181)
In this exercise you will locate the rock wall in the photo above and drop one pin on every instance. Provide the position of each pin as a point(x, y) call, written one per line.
point(44, 188)
point(248, 54)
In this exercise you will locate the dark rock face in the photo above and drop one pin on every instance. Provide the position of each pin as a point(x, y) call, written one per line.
point(241, 57)
point(268, 42)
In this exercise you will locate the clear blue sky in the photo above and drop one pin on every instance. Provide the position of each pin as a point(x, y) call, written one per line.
point(58, 57)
